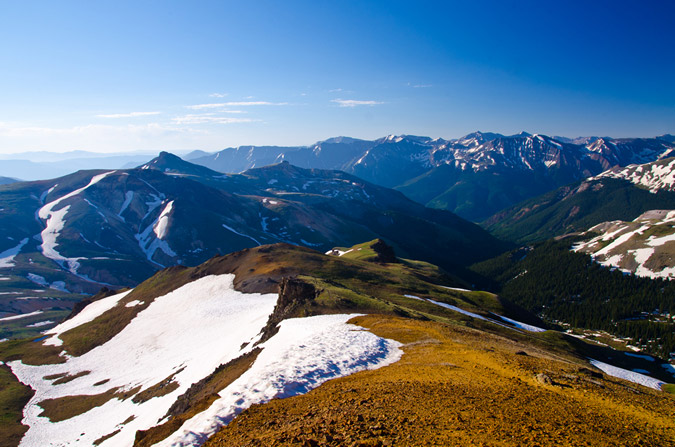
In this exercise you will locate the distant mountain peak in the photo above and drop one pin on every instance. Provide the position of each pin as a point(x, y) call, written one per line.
point(172, 164)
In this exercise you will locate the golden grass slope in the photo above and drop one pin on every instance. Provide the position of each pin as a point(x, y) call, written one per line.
point(460, 386)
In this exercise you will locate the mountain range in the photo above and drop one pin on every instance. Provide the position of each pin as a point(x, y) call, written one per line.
point(94, 229)
point(474, 176)
point(159, 304)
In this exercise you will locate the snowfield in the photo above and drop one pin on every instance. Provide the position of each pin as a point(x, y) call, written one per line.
point(305, 353)
point(186, 334)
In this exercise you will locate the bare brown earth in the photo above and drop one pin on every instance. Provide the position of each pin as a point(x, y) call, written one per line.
point(458, 386)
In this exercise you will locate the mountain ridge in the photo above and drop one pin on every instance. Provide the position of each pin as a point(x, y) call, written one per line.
point(116, 228)
point(440, 173)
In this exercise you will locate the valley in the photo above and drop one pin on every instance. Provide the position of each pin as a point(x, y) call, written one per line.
point(171, 304)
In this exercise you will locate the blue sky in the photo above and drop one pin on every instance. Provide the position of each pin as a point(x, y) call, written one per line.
point(154, 75)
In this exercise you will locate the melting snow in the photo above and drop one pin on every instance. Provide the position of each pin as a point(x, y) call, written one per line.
point(670, 368)
point(37, 279)
point(241, 234)
point(461, 311)
point(16, 317)
point(41, 323)
point(89, 313)
point(625, 374)
point(162, 224)
point(305, 353)
point(456, 288)
point(127, 200)
point(640, 356)
point(170, 337)
point(55, 223)
point(146, 241)
point(133, 303)
point(517, 324)
point(7, 256)
point(523, 326)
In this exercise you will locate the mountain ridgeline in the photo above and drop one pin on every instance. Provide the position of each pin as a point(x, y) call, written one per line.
point(474, 176)
point(116, 228)
point(618, 194)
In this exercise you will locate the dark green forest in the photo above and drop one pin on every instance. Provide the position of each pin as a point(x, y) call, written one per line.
point(560, 285)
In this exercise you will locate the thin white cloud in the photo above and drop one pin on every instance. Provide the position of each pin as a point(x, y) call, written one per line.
point(235, 104)
point(335, 90)
point(210, 118)
point(355, 102)
point(17, 130)
point(128, 115)
point(422, 86)
point(218, 95)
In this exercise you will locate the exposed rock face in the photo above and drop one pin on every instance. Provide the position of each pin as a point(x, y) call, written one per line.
point(385, 253)
point(294, 293)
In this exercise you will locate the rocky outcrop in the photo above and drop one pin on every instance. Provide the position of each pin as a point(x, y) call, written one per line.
point(294, 295)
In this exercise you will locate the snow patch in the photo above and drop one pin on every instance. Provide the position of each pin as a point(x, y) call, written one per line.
point(161, 227)
point(305, 353)
point(89, 313)
point(55, 222)
point(640, 356)
point(457, 309)
point(41, 323)
point(127, 201)
point(170, 337)
point(668, 367)
point(16, 317)
point(7, 256)
point(458, 289)
point(37, 279)
point(625, 374)
point(523, 326)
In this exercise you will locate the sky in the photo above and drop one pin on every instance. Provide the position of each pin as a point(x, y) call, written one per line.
point(117, 76)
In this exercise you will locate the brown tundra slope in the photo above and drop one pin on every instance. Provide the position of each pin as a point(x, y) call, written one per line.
point(460, 386)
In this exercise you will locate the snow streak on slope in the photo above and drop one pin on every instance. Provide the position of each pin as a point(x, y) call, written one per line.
point(7, 256)
point(305, 353)
point(89, 313)
point(625, 374)
point(161, 227)
point(128, 197)
point(55, 221)
point(186, 333)
point(644, 247)
point(151, 239)
point(16, 317)
point(517, 324)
